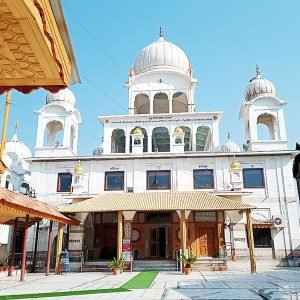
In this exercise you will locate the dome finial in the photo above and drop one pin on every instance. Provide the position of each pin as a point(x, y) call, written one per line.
point(257, 70)
point(161, 31)
point(15, 136)
point(16, 127)
point(228, 135)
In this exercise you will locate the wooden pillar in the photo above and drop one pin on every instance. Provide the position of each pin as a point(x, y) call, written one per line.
point(68, 237)
point(35, 245)
point(49, 249)
point(23, 265)
point(250, 241)
point(13, 248)
point(59, 241)
point(120, 234)
point(183, 233)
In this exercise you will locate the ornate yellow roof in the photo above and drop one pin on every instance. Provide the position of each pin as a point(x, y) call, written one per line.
point(35, 47)
point(178, 130)
point(137, 130)
point(156, 201)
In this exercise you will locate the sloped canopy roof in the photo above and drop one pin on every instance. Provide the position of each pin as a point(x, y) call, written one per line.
point(35, 47)
point(155, 201)
point(14, 205)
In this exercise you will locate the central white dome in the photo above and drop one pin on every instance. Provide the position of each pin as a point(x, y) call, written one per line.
point(161, 54)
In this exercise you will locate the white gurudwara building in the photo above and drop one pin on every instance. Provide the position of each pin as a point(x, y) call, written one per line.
point(161, 182)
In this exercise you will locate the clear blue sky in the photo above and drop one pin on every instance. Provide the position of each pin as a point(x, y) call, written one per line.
point(223, 39)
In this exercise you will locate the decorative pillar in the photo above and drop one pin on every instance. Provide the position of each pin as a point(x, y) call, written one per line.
point(49, 249)
point(23, 265)
point(77, 179)
point(236, 175)
point(137, 138)
point(13, 248)
point(60, 233)
point(35, 245)
point(178, 140)
point(120, 234)
point(250, 241)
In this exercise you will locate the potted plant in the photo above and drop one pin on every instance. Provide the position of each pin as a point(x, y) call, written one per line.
point(11, 268)
point(117, 266)
point(5, 268)
point(187, 262)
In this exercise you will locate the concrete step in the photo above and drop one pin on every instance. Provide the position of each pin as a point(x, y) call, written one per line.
point(154, 265)
point(210, 264)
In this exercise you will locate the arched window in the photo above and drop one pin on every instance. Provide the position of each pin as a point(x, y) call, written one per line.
point(118, 139)
point(160, 140)
point(187, 138)
point(266, 127)
point(7, 182)
point(54, 134)
point(145, 140)
point(203, 138)
point(179, 103)
point(160, 103)
point(142, 104)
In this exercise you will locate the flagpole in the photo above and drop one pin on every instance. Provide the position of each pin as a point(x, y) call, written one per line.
point(4, 128)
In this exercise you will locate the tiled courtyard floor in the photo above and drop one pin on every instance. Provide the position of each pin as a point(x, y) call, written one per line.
point(279, 283)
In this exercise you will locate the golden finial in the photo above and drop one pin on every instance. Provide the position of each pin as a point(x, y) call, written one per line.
point(78, 169)
point(137, 130)
point(178, 130)
point(131, 72)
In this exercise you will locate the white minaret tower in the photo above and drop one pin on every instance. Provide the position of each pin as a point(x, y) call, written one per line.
point(58, 120)
point(262, 114)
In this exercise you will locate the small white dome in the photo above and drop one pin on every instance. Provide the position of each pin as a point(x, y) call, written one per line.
point(230, 146)
point(161, 54)
point(17, 148)
point(65, 95)
point(99, 150)
point(259, 86)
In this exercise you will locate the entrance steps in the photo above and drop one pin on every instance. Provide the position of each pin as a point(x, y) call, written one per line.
point(154, 265)
point(210, 264)
point(96, 266)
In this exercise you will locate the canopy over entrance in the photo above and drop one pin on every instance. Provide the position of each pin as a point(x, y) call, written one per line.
point(156, 201)
point(14, 205)
point(35, 47)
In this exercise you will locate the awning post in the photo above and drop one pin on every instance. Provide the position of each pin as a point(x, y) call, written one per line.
point(183, 233)
point(35, 245)
point(23, 265)
point(120, 234)
point(49, 249)
point(60, 233)
point(250, 241)
point(13, 248)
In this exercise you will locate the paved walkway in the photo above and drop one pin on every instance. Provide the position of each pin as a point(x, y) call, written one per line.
point(279, 283)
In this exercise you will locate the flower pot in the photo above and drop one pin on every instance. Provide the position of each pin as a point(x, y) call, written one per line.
point(12, 268)
point(116, 271)
point(187, 271)
point(233, 257)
